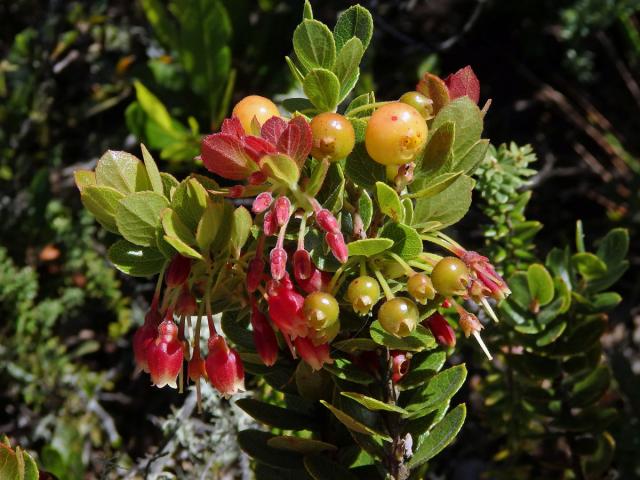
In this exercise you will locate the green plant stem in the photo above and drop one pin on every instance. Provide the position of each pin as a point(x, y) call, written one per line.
point(383, 283)
point(407, 268)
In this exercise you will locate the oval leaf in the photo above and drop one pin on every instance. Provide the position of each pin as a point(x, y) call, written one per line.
point(369, 246)
point(135, 260)
point(351, 423)
point(138, 217)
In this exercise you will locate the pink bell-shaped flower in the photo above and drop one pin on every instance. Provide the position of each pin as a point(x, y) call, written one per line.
point(165, 355)
point(143, 337)
point(224, 367)
point(315, 355)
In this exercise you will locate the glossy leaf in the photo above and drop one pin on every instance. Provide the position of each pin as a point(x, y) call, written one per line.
point(138, 217)
point(103, 203)
point(255, 444)
point(389, 202)
point(421, 339)
point(277, 417)
point(122, 171)
point(369, 247)
point(372, 403)
point(135, 260)
point(321, 467)
point(304, 446)
point(441, 388)
point(351, 423)
point(540, 283)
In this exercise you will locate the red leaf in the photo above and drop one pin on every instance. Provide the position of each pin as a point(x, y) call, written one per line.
point(258, 147)
point(296, 140)
point(272, 129)
point(224, 155)
point(463, 82)
point(232, 126)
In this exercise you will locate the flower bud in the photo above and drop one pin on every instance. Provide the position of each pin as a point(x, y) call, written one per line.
point(493, 283)
point(178, 271)
point(262, 202)
point(278, 260)
point(143, 337)
point(282, 209)
point(285, 310)
point(196, 367)
point(338, 246)
point(302, 265)
point(264, 337)
point(254, 274)
point(420, 288)
point(315, 356)
point(224, 367)
point(165, 355)
point(269, 225)
point(400, 365)
point(441, 330)
point(327, 222)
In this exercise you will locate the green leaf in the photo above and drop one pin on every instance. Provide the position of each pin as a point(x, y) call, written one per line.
point(614, 247)
point(365, 209)
point(448, 206)
point(277, 417)
point(389, 202)
point(438, 149)
point(163, 27)
point(307, 11)
point(421, 339)
point(322, 87)
point(316, 180)
point(603, 302)
point(102, 203)
point(239, 335)
point(360, 167)
point(138, 217)
point(135, 260)
point(189, 202)
point(436, 185)
point(314, 45)
point(354, 345)
point(356, 21)
point(282, 168)
point(209, 225)
point(353, 424)
point(152, 171)
point(178, 235)
point(406, 240)
point(540, 284)
point(242, 222)
point(122, 171)
point(372, 403)
point(589, 265)
point(320, 467)
point(297, 74)
point(466, 116)
point(84, 178)
point(156, 110)
point(369, 247)
point(591, 389)
point(440, 389)
point(304, 446)
point(346, 370)
point(255, 444)
point(423, 368)
point(407, 204)
point(551, 334)
point(169, 184)
point(332, 194)
point(360, 101)
point(16, 464)
point(440, 436)
point(347, 67)
point(599, 463)
point(472, 158)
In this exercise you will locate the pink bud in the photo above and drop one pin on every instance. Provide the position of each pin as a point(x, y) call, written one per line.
point(282, 208)
point(224, 367)
point(262, 202)
point(315, 282)
point(165, 355)
point(302, 266)
point(337, 246)
point(254, 274)
point(196, 367)
point(278, 258)
point(178, 271)
point(315, 355)
point(327, 221)
point(269, 226)
point(441, 330)
point(285, 310)
point(143, 338)
point(264, 337)
point(400, 365)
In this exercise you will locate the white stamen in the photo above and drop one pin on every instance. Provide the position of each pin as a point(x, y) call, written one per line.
point(489, 310)
point(482, 345)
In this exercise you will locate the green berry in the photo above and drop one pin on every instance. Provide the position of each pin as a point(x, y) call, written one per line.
point(398, 316)
point(450, 277)
point(321, 310)
point(395, 134)
point(333, 136)
point(363, 293)
point(420, 288)
point(418, 101)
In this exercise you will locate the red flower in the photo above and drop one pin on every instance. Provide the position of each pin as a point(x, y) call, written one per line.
point(285, 310)
point(264, 337)
point(400, 365)
point(315, 355)
point(224, 367)
point(165, 355)
point(143, 337)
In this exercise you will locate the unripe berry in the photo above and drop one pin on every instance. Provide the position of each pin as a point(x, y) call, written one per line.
point(254, 106)
point(420, 102)
point(420, 288)
point(450, 277)
point(363, 293)
point(224, 367)
point(333, 136)
point(395, 134)
point(321, 311)
point(398, 316)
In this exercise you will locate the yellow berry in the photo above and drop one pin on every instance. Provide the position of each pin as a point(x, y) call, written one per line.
point(254, 106)
point(333, 136)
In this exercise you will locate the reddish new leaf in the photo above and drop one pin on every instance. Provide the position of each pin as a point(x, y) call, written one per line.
point(296, 140)
point(224, 155)
point(272, 129)
point(232, 126)
point(463, 82)
point(257, 147)
point(433, 87)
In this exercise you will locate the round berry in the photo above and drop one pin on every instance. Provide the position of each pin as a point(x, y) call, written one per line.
point(363, 293)
point(450, 277)
point(395, 134)
point(254, 106)
point(420, 288)
point(418, 101)
point(398, 316)
point(333, 136)
point(320, 310)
